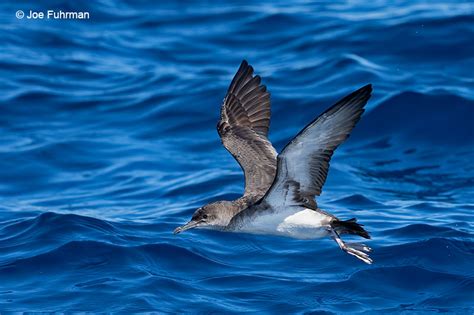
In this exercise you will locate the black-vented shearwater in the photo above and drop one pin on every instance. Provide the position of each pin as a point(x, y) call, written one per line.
point(280, 191)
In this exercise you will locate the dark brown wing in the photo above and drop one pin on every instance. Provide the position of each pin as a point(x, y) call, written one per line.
point(243, 128)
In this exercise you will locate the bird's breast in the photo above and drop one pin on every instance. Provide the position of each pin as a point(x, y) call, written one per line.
point(298, 223)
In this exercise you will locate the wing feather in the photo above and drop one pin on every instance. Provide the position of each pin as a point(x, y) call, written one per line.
point(243, 128)
point(304, 163)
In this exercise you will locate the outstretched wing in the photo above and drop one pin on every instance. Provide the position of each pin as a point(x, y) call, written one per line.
point(243, 128)
point(304, 162)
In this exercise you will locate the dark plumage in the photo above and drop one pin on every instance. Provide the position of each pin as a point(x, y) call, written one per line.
point(303, 164)
point(280, 193)
point(350, 227)
point(243, 128)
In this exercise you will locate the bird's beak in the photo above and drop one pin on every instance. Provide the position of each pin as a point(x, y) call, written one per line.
point(187, 226)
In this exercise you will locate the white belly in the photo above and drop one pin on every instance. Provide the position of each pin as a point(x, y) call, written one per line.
point(298, 223)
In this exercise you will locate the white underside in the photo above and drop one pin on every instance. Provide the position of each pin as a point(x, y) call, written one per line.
point(300, 223)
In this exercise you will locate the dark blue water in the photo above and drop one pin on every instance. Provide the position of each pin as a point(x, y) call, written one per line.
point(108, 142)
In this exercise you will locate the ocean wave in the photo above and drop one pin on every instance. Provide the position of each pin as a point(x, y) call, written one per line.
point(109, 143)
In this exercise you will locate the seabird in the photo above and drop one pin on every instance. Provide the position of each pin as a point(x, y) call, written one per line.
point(280, 190)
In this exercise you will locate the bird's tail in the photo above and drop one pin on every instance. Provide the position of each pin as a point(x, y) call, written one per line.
point(349, 227)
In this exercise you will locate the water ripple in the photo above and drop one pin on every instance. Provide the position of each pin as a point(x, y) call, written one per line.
point(109, 142)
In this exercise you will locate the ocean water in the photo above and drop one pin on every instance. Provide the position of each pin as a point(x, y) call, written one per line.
point(108, 143)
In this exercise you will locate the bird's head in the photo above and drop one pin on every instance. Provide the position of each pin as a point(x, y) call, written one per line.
point(215, 215)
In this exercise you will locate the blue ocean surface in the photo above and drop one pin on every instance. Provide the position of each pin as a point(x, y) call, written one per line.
point(108, 143)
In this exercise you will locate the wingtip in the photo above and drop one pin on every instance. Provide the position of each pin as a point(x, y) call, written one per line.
point(365, 92)
point(367, 87)
point(245, 69)
point(244, 64)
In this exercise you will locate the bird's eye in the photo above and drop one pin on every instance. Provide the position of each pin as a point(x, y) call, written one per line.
point(205, 216)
